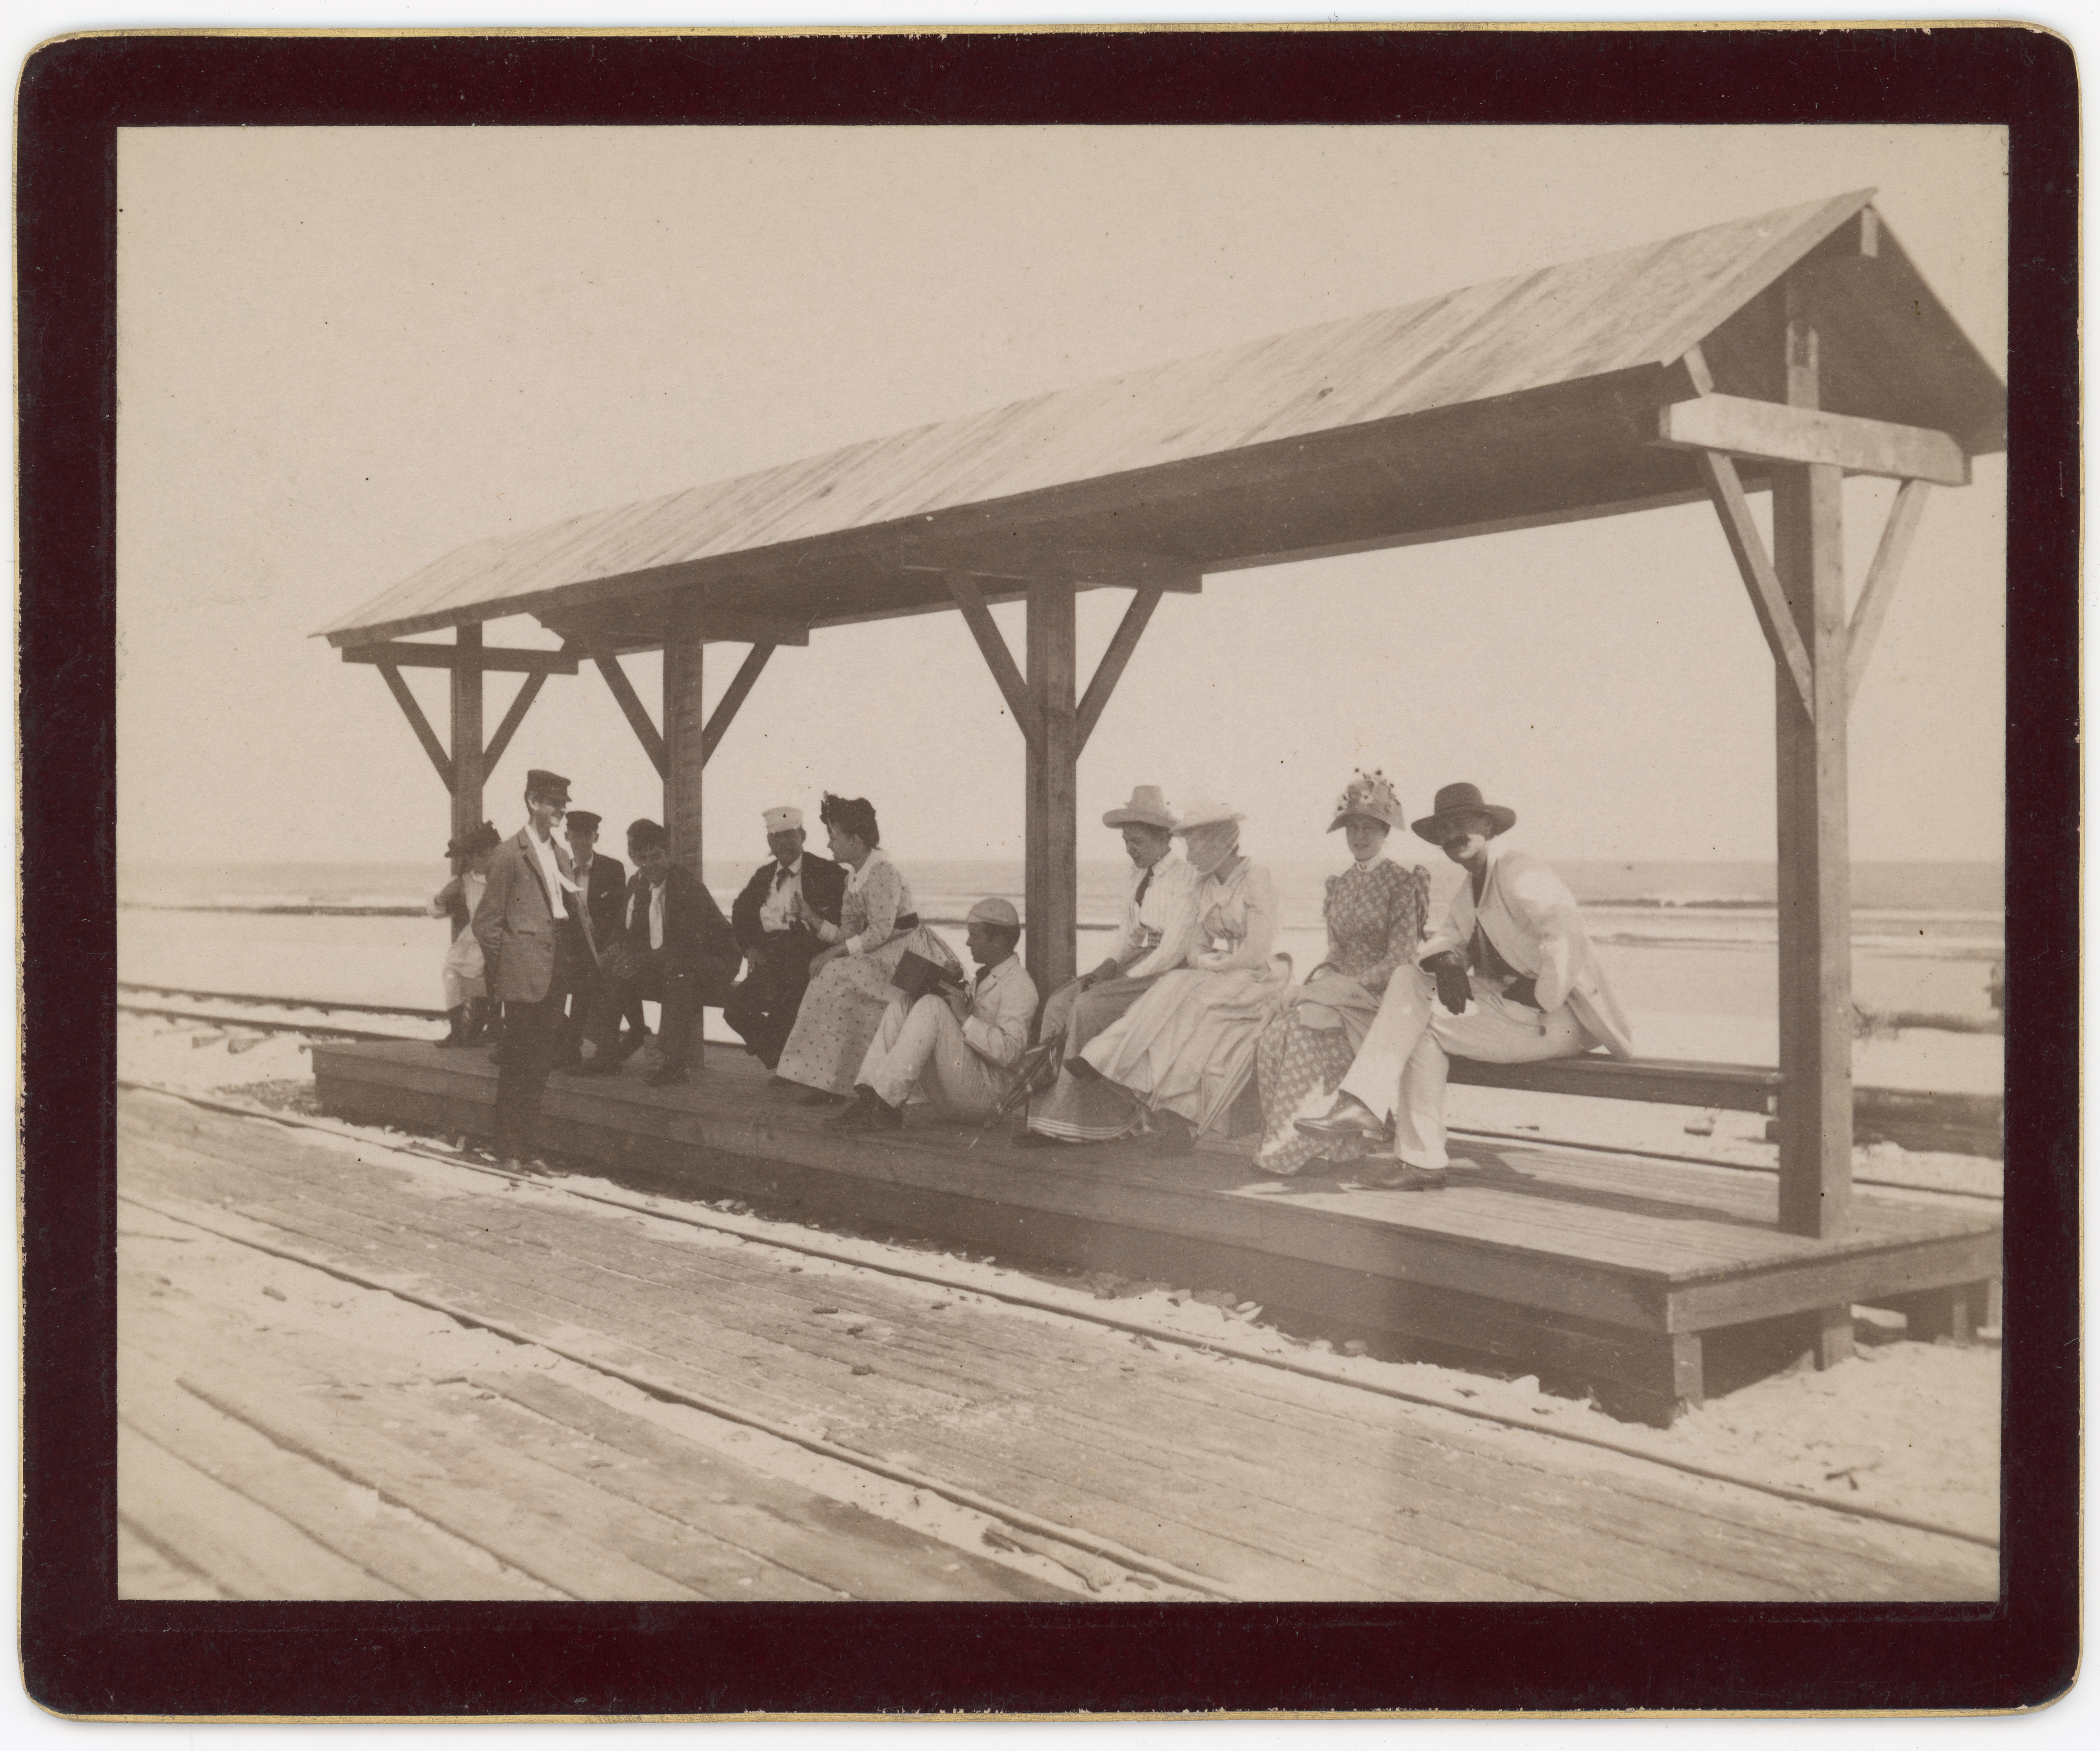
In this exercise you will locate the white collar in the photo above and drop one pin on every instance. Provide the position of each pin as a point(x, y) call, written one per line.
point(1371, 862)
point(858, 879)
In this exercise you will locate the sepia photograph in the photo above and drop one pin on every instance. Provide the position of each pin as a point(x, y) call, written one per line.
point(1077, 864)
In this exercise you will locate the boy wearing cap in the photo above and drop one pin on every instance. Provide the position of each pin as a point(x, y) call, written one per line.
point(1512, 968)
point(777, 943)
point(674, 946)
point(954, 1047)
point(466, 995)
point(517, 924)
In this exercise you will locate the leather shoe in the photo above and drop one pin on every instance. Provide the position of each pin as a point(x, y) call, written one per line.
point(869, 1113)
point(1172, 1135)
point(1347, 1118)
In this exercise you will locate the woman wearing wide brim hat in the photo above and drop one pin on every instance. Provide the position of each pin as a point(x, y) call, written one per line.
point(464, 974)
point(1455, 803)
point(1184, 1051)
point(1376, 912)
point(1158, 927)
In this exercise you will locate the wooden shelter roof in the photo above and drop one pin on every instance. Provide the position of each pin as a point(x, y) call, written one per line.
point(1522, 401)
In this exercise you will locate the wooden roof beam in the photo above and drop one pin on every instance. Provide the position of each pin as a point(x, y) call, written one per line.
point(1004, 670)
point(1767, 597)
point(1097, 568)
point(630, 703)
point(398, 686)
point(1872, 606)
point(1773, 433)
point(516, 661)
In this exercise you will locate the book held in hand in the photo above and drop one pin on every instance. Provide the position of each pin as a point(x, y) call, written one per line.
point(916, 976)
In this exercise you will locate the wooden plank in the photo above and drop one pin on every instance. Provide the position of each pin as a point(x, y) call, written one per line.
point(963, 587)
point(630, 703)
point(1724, 486)
point(732, 700)
point(507, 660)
point(528, 690)
point(411, 1562)
point(245, 1550)
point(1738, 1088)
point(1869, 1278)
point(1774, 433)
point(1879, 590)
point(396, 686)
point(149, 1571)
point(1108, 671)
point(468, 769)
point(1051, 920)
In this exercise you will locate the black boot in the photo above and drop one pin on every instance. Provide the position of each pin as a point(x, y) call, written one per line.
point(458, 1036)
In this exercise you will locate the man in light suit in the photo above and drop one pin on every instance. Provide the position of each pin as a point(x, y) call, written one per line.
point(777, 945)
point(1513, 968)
point(518, 924)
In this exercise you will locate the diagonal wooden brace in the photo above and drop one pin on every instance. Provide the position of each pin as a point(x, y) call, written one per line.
point(1108, 671)
point(1724, 486)
point(418, 721)
point(1872, 606)
point(726, 708)
point(963, 587)
point(638, 714)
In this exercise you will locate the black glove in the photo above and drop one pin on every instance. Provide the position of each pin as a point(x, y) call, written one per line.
point(1454, 991)
point(1523, 990)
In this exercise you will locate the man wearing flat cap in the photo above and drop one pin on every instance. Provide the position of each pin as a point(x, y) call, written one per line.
point(1158, 929)
point(518, 924)
point(953, 1047)
point(777, 943)
point(593, 920)
point(1513, 970)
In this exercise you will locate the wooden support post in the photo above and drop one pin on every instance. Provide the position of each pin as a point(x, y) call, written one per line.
point(685, 742)
point(1872, 606)
point(1814, 868)
point(1052, 912)
point(732, 697)
point(630, 703)
point(417, 722)
point(528, 692)
point(1823, 1337)
point(978, 617)
point(468, 773)
point(1108, 671)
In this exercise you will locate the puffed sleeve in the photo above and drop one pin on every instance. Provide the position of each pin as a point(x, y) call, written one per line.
point(881, 894)
point(1252, 951)
point(1407, 912)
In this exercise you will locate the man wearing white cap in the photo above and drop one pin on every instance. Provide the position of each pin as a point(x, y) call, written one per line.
point(777, 944)
point(1158, 930)
point(952, 1047)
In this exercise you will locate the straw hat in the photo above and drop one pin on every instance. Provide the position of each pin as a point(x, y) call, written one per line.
point(1147, 807)
point(1372, 796)
point(1462, 799)
point(1199, 814)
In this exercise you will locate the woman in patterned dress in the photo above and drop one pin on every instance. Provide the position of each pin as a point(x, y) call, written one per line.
point(1376, 911)
point(1184, 1050)
point(849, 977)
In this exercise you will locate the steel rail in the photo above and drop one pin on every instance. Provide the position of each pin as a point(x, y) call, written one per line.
point(1144, 1328)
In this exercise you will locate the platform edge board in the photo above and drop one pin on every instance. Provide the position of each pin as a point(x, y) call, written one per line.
point(1869, 1279)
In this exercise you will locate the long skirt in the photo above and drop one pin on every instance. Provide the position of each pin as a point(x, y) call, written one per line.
point(1304, 1054)
point(1081, 1108)
point(843, 1007)
point(1188, 1045)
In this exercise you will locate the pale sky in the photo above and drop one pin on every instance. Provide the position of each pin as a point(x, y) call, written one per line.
point(343, 352)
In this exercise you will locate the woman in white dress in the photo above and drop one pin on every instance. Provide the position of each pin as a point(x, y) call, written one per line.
point(1185, 1050)
point(849, 976)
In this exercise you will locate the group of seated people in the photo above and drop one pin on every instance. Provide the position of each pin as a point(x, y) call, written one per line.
point(852, 1001)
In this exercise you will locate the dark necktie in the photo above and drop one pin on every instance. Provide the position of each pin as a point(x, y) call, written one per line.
point(780, 877)
point(1144, 883)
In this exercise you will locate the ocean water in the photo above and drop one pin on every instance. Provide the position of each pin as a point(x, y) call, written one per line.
point(1690, 948)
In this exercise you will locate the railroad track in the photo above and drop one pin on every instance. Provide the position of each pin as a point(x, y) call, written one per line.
point(266, 1023)
point(758, 1232)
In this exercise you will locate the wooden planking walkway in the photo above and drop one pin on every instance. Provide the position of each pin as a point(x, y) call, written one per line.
point(1603, 1269)
point(1278, 1486)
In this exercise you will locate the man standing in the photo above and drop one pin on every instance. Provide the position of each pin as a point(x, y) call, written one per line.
point(593, 920)
point(777, 944)
point(1513, 968)
point(675, 946)
point(529, 879)
point(952, 1047)
point(1158, 929)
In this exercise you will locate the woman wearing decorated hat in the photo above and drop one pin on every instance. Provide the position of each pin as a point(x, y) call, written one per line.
point(1375, 912)
point(1184, 1051)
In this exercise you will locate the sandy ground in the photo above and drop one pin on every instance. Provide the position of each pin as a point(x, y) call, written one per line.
point(1904, 1428)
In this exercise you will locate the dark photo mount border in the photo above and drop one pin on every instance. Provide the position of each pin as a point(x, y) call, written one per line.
point(85, 1652)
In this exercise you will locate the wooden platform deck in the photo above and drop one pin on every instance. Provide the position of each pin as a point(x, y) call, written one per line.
point(1593, 1269)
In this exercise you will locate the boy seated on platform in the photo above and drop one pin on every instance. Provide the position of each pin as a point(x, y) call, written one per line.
point(952, 1047)
point(674, 946)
